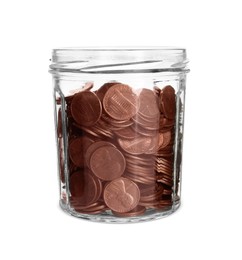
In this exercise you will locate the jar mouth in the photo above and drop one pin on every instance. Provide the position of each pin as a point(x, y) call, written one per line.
point(118, 59)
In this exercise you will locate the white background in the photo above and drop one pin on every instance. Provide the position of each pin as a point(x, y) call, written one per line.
point(209, 223)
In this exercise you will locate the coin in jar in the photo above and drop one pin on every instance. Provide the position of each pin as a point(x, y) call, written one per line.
point(121, 195)
point(138, 145)
point(148, 104)
point(83, 188)
point(107, 163)
point(164, 139)
point(120, 102)
point(86, 108)
point(93, 147)
point(77, 148)
point(168, 101)
point(137, 211)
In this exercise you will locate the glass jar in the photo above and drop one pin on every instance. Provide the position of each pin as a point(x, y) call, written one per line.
point(119, 126)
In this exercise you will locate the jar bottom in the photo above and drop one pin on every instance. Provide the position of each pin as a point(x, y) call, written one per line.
point(108, 217)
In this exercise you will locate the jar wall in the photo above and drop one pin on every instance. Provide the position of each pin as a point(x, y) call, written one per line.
point(140, 179)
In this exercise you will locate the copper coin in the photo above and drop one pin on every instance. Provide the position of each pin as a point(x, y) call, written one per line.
point(148, 125)
point(107, 163)
point(168, 101)
point(83, 188)
point(126, 133)
point(139, 145)
point(87, 86)
point(76, 152)
point(139, 179)
point(120, 102)
point(94, 147)
point(77, 148)
point(165, 139)
point(86, 108)
point(103, 89)
point(137, 211)
point(148, 104)
point(121, 195)
point(154, 145)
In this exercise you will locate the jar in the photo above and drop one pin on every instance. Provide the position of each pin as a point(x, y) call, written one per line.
point(119, 127)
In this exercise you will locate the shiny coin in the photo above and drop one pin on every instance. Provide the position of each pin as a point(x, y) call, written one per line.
point(103, 89)
point(137, 211)
point(165, 139)
point(139, 145)
point(120, 102)
point(107, 163)
point(86, 108)
point(126, 133)
point(121, 195)
point(148, 104)
point(93, 147)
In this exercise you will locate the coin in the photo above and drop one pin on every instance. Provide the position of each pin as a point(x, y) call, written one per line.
point(121, 195)
point(137, 211)
point(107, 163)
point(165, 139)
point(77, 148)
point(94, 146)
point(148, 104)
point(86, 108)
point(103, 89)
point(168, 101)
point(120, 102)
point(83, 188)
point(139, 145)
point(126, 133)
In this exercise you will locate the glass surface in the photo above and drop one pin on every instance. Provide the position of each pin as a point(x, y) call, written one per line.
point(119, 127)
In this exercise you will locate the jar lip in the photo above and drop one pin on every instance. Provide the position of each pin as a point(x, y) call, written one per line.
point(104, 58)
point(121, 48)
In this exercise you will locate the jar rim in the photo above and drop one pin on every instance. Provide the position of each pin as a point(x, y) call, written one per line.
point(119, 58)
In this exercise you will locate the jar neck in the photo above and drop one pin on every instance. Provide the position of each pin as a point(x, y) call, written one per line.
point(116, 60)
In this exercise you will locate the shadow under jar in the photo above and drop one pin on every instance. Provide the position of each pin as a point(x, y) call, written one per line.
point(119, 127)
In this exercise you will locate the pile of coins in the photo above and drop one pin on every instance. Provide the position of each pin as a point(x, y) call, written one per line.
point(120, 149)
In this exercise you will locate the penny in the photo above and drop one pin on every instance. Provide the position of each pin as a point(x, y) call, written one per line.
point(141, 123)
point(166, 138)
point(137, 211)
point(126, 133)
point(168, 101)
point(139, 145)
point(120, 102)
point(87, 86)
point(121, 195)
point(94, 147)
point(103, 89)
point(107, 163)
point(77, 148)
point(139, 179)
point(148, 104)
point(86, 108)
point(154, 144)
point(83, 188)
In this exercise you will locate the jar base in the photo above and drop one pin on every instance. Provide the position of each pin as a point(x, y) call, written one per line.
point(107, 217)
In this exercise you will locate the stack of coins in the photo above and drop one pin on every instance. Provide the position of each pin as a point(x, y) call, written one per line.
point(120, 149)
